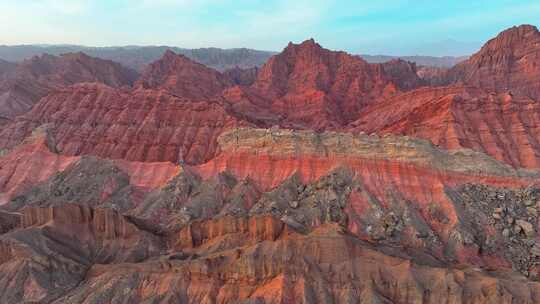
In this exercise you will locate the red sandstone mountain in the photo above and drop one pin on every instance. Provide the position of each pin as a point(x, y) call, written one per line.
point(273, 215)
point(496, 113)
point(270, 207)
point(141, 125)
point(308, 86)
point(168, 116)
point(171, 111)
point(307, 82)
point(501, 125)
point(23, 85)
point(183, 77)
point(508, 63)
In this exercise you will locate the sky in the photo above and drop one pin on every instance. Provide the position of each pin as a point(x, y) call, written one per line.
point(391, 27)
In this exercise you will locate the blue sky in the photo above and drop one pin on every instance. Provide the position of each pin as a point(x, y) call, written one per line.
point(394, 27)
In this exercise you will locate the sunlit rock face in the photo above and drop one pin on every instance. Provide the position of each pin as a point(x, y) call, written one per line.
point(318, 178)
point(22, 85)
point(506, 63)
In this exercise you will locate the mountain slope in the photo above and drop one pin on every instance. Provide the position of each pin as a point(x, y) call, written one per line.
point(138, 57)
point(183, 77)
point(308, 86)
point(491, 107)
point(142, 125)
point(509, 62)
point(23, 85)
point(282, 206)
point(501, 125)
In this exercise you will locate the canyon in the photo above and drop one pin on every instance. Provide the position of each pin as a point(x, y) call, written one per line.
point(317, 177)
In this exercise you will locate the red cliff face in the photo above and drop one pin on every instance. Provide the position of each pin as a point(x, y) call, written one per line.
point(143, 125)
point(34, 162)
point(61, 243)
point(501, 125)
point(393, 182)
point(274, 198)
point(183, 77)
point(167, 192)
point(307, 86)
point(508, 63)
point(326, 266)
point(22, 86)
point(316, 87)
point(492, 109)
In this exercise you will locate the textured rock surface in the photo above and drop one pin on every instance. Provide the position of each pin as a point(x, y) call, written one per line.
point(29, 164)
point(9, 221)
point(6, 66)
point(316, 87)
point(142, 125)
point(383, 216)
point(22, 86)
point(167, 192)
point(182, 77)
point(501, 125)
point(507, 63)
point(54, 247)
point(305, 86)
point(291, 143)
point(326, 266)
point(89, 181)
point(394, 190)
point(34, 163)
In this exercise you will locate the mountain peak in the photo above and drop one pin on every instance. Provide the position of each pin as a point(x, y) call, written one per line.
point(183, 77)
point(508, 62)
point(514, 36)
point(309, 44)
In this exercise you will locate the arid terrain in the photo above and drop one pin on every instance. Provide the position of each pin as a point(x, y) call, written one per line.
point(304, 176)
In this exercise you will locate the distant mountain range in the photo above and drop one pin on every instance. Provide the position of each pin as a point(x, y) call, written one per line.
point(432, 61)
point(137, 57)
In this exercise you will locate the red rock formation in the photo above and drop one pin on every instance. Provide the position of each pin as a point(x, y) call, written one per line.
point(503, 125)
point(143, 125)
point(33, 162)
point(318, 87)
point(183, 77)
point(97, 120)
point(29, 164)
point(388, 169)
point(243, 77)
point(433, 76)
point(275, 215)
point(60, 243)
point(390, 175)
point(322, 267)
point(9, 221)
point(25, 84)
point(104, 223)
point(403, 74)
point(307, 86)
point(74, 68)
point(240, 230)
point(508, 63)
